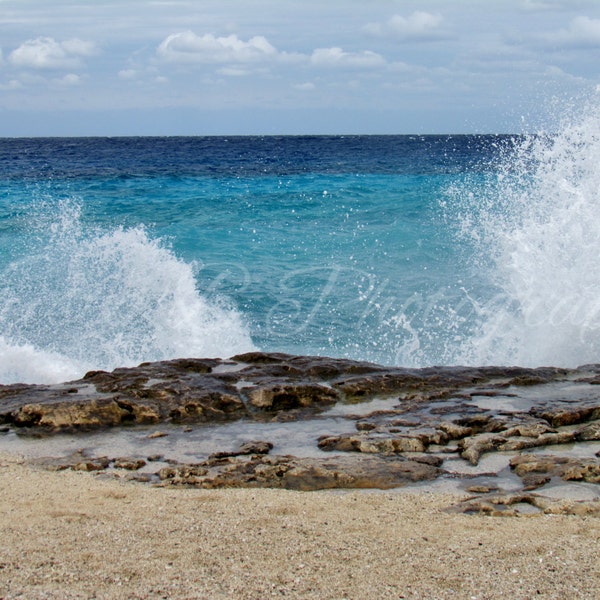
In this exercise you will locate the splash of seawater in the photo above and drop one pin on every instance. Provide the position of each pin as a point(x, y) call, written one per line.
point(536, 229)
point(89, 299)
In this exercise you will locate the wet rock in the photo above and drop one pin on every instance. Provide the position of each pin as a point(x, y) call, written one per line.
point(507, 505)
point(472, 448)
point(559, 417)
point(430, 436)
point(524, 464)
point(183, 474)
point(476, 422)
point(589, 432)
point(191, 390)
point(363, 426)
point(567, 468)
point(140, 477)
point(130, 464)
point(368, 445)
point(454, 430)
point(286, 397)
point(393, 445)
point(427, 459)
point(533, 481)
point(546, 439)
point(91, 464)
point(422, 415)
point(75, 415)
point(77, 461)
point(245, 449)
point(304, 474)
point(342, 443)
point(481, 489)
point(532, 430)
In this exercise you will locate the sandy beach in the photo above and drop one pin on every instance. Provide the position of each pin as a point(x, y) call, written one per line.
point(76, 535)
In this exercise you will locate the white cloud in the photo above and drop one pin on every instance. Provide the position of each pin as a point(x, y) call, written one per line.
point(241, 58)
point(235, 71)
point(307, 86)
point(419, 25)
point(13, 84)
point(549, 5)
point(582, 31)
point(336, 57)
point(187, 47)
point(47, 53)
point(127, 74)
point(69, 79)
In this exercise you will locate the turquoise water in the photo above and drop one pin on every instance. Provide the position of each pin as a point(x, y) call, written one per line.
point(396, 249)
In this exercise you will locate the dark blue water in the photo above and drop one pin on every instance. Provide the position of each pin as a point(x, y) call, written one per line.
point(244, 156)
point(120, 250)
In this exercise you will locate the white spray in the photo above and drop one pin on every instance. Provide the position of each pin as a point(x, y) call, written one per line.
point(89, 299)
point(537, 230)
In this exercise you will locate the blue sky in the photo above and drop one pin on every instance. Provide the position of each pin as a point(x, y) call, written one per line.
point(132, 67)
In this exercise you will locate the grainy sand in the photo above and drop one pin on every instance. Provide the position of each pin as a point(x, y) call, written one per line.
point(74, 535)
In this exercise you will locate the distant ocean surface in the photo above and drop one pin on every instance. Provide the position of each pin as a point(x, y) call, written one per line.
point(403, 250)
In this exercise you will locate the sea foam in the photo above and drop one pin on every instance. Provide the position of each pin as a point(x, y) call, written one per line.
point(83, 298)
point(535, 230)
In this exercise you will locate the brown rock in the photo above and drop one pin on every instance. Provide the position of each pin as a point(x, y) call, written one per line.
point(183, 475)
point(455, 431)
point(393, 445)
point(427, 459)
point(372, 445)
point(245, 449)
point(428, 411)
point(97, 464)
point(589, 432)
point(559, 417)
point(546, 439)
point(567, 468)
point(532, 430)
point(533, 481)
point(343, 443)
point(70, 415)
point(364, 426)
point(285, 397)
point(584, 470)
point(130, 464)
point(302, 473)
point(504, 505)
point(481, 489)
point(524, 464)
point(472, 448)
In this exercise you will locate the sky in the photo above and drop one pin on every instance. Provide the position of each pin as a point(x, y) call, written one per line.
point(226, 67)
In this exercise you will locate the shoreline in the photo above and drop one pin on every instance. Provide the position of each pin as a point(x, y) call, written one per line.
point(517, 436)
point(76, 535)
point(234, 519)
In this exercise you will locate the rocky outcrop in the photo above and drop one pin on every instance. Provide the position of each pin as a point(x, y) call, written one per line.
point(514, 505)
point(401, 425)
point(254, 385)
point(305, 474)
point(567, 468)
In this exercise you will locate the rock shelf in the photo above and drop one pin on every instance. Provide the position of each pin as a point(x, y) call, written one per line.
point(394, 427)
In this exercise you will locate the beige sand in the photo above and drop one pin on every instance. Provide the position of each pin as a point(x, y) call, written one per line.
point(74, 535)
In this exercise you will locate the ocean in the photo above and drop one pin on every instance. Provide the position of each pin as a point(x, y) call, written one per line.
point(402, 250)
